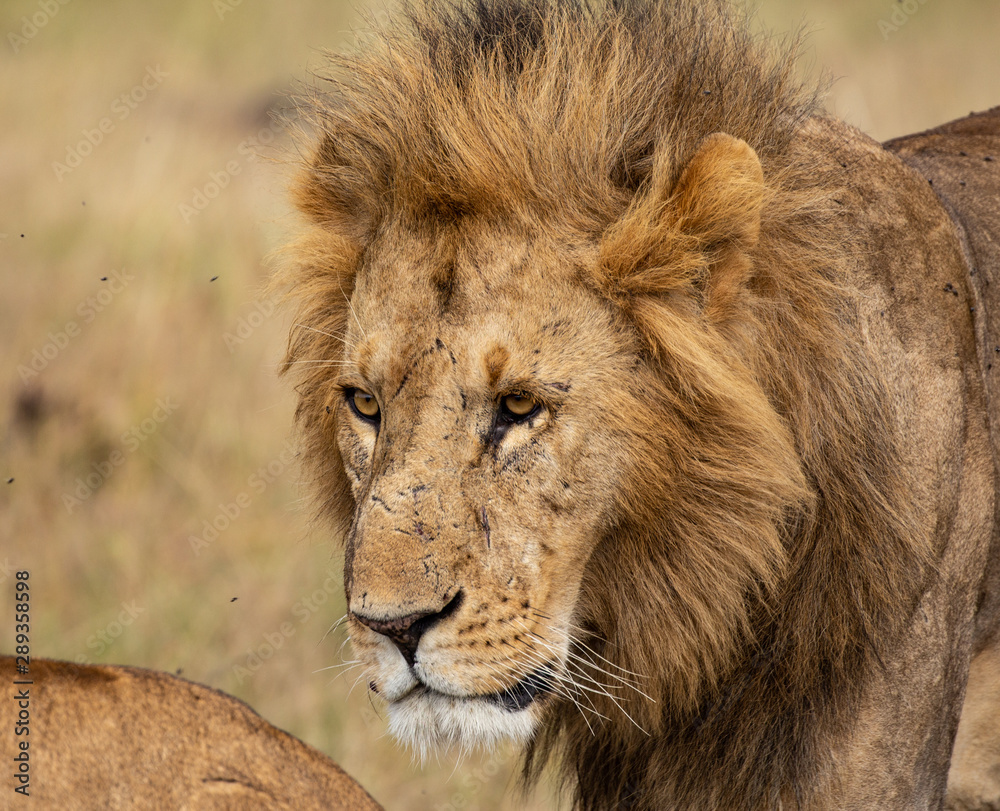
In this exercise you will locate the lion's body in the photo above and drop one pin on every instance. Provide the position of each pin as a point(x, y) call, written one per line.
point(655, 407)
point(127, 738)
point(960, 161)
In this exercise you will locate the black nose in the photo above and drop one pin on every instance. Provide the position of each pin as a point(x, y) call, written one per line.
point(406, 631)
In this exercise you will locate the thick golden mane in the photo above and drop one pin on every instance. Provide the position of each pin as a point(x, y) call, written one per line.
point(765, 514)
point(525, 108)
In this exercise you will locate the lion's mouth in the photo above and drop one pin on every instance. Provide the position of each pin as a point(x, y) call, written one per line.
point(524, 693)
point(512, 699)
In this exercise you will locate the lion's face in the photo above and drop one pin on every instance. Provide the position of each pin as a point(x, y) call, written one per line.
point(520, 423)
point(475, 421)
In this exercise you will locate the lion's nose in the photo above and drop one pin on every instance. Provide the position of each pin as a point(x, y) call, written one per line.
point(406, 631)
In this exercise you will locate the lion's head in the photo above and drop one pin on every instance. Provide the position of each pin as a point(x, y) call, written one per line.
point(558, 258)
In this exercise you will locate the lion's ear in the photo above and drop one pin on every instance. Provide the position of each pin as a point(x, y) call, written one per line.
point(717, 201)
point(331, 194)
point(694, 235)
point(720, 193)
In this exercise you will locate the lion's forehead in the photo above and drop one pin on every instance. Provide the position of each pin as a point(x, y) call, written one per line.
point(478, 312)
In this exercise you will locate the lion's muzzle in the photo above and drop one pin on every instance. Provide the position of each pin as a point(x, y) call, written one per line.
point(405, 631)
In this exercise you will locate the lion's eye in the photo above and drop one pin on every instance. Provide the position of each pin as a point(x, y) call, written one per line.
point(513, 409)
point(518, 407)
point(364, 404)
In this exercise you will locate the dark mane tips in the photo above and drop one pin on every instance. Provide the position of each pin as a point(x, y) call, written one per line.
point(553, 107)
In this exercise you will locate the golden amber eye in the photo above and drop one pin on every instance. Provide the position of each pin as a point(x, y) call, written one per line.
point(519, 405)
point(365, 404)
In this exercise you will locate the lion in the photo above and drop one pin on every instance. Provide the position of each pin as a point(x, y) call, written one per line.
point(112, 737)
point(655, 407)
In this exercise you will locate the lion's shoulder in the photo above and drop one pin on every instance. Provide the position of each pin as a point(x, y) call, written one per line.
point(960, 161)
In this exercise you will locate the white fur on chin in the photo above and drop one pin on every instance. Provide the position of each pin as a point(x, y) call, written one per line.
point(426, 720)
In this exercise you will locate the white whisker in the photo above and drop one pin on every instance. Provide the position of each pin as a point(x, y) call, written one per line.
point(332, 362)
point(578, 679)
point(348, 665)
point(333, 628)
point(336, 337)
point(351, 307)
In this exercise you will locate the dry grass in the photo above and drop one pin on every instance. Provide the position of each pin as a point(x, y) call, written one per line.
point(162, 336)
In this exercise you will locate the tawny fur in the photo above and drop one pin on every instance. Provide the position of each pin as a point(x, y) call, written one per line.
point(118, 738)
point(763, 552)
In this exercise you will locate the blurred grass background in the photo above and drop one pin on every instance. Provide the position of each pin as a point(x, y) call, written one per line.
point(134, 350)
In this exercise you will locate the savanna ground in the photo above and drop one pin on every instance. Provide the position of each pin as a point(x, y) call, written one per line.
point(139, 403)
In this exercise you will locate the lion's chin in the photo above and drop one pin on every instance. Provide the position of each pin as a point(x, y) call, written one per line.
point(426, 720)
